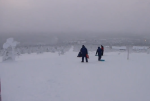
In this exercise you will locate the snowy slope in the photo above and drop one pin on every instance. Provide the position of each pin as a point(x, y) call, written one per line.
point(50, 77)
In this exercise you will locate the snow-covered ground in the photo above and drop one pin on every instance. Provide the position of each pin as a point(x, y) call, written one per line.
point(50, 77)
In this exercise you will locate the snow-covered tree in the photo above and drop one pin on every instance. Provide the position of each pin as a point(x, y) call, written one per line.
point(9, 50)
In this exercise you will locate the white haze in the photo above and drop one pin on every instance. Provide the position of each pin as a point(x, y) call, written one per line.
point(68, 16)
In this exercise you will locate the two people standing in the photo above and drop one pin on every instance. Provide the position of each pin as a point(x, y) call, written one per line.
point(100, 52)
point(84, 53)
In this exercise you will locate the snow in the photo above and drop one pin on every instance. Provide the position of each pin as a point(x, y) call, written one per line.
point(119, 47)
point(140, 47)
point(50, 77)
point(10, 40)
point(5, 45)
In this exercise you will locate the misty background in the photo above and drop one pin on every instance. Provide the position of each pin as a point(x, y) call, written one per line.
point(40, 21)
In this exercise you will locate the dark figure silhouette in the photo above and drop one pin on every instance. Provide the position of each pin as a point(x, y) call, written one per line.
point(84, 52)
point(102, 47)
point(99, 51)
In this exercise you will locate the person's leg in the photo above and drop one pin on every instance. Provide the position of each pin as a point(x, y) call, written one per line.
point(99, 57)
point(82, 59)
point(86, 59)
point(102, 53)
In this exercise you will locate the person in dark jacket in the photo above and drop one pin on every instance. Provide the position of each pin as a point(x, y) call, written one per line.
point(84, 52)
point(99, 51)
point(102, 47)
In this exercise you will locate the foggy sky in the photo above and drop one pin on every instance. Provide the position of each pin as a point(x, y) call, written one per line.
point(46, 16)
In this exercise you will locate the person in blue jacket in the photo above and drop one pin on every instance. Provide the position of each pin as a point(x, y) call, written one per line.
point(84, 52)
point(99, 51)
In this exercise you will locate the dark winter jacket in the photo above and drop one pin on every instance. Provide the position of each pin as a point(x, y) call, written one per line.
point(102, 48)
point(99, 51)
point(84, 51)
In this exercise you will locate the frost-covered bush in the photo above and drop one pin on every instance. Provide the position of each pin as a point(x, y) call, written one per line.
point(9, 50)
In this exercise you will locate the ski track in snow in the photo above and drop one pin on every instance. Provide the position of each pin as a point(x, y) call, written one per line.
point(50, 77)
